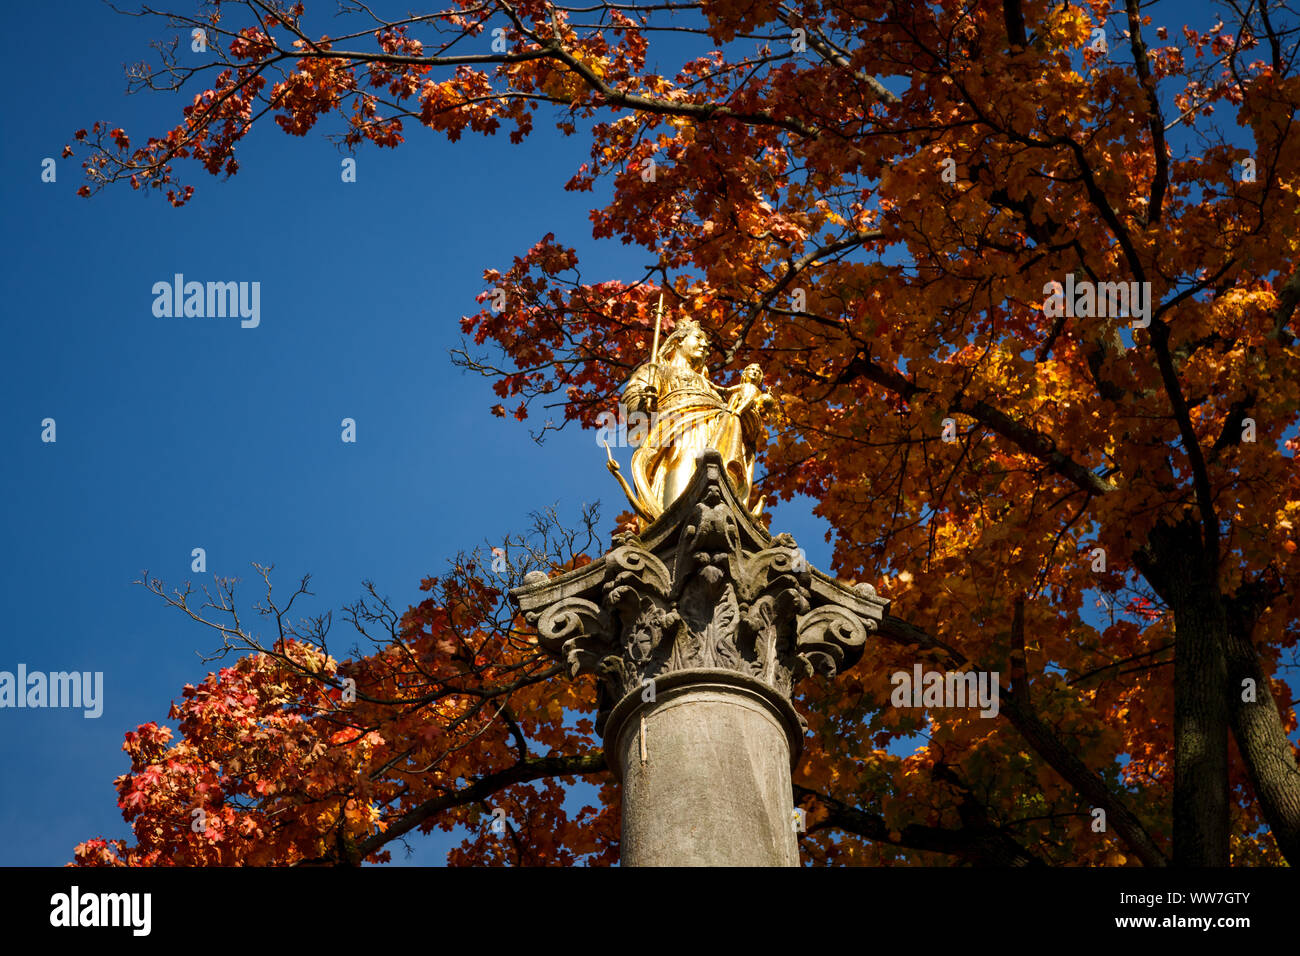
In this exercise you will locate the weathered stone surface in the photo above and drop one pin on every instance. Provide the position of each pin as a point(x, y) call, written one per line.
point(706, 779)
point(704, 604)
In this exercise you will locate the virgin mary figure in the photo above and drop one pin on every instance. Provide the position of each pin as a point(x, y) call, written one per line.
point(687, 415)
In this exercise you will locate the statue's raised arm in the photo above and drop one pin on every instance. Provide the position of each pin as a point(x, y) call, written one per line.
point(641, 393)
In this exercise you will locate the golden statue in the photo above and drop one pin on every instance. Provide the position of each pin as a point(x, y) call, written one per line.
point(687, 415)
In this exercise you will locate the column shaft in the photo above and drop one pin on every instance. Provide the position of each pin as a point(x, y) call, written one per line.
point(706, 778)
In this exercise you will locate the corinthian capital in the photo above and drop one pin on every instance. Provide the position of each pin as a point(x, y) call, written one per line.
point(703, 589)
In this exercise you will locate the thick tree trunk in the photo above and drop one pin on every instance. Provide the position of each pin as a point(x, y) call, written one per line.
point(1179, 573)
point(1262, 740)
point(1200, 732)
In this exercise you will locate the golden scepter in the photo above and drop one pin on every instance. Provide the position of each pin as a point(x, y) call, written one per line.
point(659, 318)
point(611, 463)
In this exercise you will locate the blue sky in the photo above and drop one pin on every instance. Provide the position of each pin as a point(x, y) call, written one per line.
point(180, 433)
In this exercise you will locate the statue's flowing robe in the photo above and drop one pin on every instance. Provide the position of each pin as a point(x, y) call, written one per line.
point(690, 417)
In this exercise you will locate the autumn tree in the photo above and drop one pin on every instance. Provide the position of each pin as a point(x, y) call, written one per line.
point(1022, 276)
point(442, 715)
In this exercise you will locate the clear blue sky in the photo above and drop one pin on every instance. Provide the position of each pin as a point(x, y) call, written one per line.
point(182, 433)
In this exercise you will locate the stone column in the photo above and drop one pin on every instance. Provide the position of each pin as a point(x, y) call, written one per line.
point(699, 629)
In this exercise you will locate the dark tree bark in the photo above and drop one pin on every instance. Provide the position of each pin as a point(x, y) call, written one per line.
point(1175, 564)
point(1257, 726)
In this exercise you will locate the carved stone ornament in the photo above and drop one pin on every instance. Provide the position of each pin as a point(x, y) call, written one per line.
point(704, 587)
